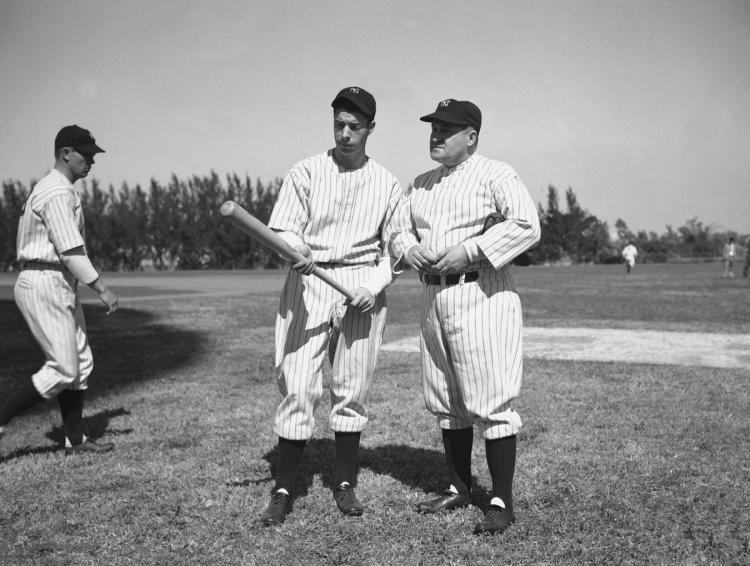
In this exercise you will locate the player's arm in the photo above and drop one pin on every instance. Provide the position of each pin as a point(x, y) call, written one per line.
point(291, 213)
point(520, 230)
point(58, 215)
point(404, 245)
point(80, 266)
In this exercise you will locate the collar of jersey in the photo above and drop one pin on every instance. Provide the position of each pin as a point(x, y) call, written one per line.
point(461, 166)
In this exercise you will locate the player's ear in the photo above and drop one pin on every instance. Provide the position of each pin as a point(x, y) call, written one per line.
point(473, 137)
point(371, 127)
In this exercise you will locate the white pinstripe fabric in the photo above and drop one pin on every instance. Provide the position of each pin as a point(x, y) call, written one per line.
point(471, 339)
point(301, 349)
point(346, 217)
point(51, 223)
point(49, 302)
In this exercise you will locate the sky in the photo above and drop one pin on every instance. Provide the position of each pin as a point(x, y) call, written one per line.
point(641, 107)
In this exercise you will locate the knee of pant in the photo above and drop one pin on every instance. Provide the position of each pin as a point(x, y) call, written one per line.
point(68, 372)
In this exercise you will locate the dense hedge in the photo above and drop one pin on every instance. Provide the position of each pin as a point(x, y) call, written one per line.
point(172, 226)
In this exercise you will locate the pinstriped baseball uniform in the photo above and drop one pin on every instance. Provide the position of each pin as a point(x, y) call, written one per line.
point(346, 218)
point(47, 295)
point(471, 332)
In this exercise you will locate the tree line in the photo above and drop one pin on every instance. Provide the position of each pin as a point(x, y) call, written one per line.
point(572, 234)
point(177, 225)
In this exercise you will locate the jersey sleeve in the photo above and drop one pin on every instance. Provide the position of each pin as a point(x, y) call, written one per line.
point(292, 209)
point(521, 228)
point(58, 215)
point(382, 275)
point(403, 237)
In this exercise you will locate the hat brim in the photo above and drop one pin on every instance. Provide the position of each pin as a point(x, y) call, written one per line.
point(90, 148)
point(444, 117)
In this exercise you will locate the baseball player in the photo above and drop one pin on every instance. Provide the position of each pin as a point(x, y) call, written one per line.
point(52, 256)
point(336, 208)
point(470, 312)
point(629, 254)
point(729, 254)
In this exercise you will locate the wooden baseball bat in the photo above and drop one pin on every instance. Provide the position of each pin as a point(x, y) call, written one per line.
point(263, 234)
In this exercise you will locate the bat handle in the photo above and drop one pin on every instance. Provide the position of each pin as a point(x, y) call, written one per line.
point(320, 274)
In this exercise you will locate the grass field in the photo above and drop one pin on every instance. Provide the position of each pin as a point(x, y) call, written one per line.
point(619, 463)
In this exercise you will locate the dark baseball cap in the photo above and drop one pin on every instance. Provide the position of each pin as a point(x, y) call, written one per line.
point(77, 138)
point(460, 112)
point(359, 97)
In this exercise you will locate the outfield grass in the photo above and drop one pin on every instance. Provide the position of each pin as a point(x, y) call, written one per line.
point(618, 463)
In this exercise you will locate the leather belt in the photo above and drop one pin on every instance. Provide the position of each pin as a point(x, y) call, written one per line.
point(43, 266)
point(450, 279)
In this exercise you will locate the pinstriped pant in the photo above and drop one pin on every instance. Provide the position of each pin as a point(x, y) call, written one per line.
point(48, 300)
point(302, 346)
point(471, 345)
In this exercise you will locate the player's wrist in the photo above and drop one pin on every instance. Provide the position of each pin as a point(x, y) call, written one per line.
point(98, 286)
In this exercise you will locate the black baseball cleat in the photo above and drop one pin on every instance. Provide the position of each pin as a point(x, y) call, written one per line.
point(495, 521)
point(446, 502)
point(89, 446)
point(347, 501)
point(277, 509)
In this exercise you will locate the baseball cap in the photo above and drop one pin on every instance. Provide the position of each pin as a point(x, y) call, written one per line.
point(78, 138)
point(359, 97)
point(460, 112)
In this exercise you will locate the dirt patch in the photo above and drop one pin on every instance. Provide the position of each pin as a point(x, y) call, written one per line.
point(621, 345)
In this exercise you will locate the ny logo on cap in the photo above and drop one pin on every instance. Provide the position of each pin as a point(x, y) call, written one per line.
point(445, 102)
point(354, 90)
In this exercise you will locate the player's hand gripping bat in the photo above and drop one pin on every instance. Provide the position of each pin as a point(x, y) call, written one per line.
point(263, 234)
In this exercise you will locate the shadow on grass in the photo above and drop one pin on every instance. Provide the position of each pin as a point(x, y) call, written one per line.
point(129, 346)
point(96, 426)
point(419, 468)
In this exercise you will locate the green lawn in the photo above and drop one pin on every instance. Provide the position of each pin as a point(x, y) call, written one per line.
point(618, 463)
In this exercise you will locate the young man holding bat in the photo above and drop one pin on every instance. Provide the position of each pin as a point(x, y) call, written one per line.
point(336, 209)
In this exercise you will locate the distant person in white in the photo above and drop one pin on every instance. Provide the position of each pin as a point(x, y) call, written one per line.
point(730, 253)
point(629, 254)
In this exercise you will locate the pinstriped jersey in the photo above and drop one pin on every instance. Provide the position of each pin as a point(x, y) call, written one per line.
point(344, 216)
point(448, 206)
point(51, 220)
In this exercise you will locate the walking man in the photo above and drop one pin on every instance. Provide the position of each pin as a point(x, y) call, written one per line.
point(336, 208)
point(470, 314)
point(51, 252)
point(629, 254)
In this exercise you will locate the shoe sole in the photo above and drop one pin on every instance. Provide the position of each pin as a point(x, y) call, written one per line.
point(352, 512)
point(432, 511)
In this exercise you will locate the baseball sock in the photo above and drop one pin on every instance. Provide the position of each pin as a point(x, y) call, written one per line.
point(71, 410)
point(501, 459)
point(290, 454)
point(347, 456)
point(458, 444)
point(21, 400)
